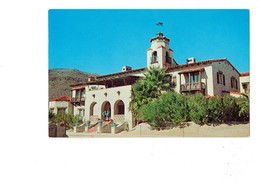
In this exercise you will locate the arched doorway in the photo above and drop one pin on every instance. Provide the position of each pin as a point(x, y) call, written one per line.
point(119, 111)
point(92, 109)
point(106, 110)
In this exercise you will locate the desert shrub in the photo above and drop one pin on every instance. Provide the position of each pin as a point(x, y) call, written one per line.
point(168, 108)
point(51, 116)
point(68, 119)
point(197, 108)
point(230, 109)
point(214, 110)
point(244, 108)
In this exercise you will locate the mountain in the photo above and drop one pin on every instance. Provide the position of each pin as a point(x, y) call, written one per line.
point(60, 80)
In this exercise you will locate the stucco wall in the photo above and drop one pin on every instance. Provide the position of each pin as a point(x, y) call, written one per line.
point(112, 97)
point(76, 110)
point(244, 79)
point(59, 104)
point(228, 71)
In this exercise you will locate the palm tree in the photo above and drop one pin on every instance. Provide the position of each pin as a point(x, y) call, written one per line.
point(150, 87)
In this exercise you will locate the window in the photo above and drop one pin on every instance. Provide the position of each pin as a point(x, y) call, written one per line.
point(154, 57)
point(78, 93)
point(168, 58)
point(221, 78)
point(233, 82)
point(83, 93)
point(61, 110)
point(194, 77)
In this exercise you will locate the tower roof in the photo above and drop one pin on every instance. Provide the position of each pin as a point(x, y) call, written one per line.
point(160, 36)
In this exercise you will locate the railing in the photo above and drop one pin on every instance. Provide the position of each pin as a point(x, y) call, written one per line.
point(192, 86)
point(119, 118)
point(77, 99)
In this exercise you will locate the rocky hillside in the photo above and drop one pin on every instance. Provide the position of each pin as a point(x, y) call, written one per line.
point(60, 80)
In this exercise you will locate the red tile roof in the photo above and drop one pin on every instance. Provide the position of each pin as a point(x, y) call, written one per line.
point(191, 70)
point(123, 73)
point(201, 63)
point(61, 98)
point(244, 74)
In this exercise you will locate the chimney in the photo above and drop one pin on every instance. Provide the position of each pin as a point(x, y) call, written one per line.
point(91, 78)
point(126, 68)
point(190, 60)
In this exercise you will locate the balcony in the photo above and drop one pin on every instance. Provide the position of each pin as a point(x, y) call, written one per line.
point(78, 101)
point(192, 86)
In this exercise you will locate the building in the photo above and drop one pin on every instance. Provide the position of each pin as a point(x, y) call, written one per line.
point(111, 93)
point(60, 105)
point(245, 83)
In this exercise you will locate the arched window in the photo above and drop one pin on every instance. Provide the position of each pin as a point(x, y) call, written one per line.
point(168, 59)
point(119, 107)
point(154, 57)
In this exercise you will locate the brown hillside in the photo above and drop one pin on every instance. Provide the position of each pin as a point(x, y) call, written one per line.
point(61, 79)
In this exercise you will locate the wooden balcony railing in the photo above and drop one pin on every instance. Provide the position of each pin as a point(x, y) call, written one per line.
point(78, 101)
point(192, 86)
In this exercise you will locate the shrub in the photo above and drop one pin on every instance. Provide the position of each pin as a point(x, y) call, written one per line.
point(244, 108)
point(168, 108)
point(69, 120)
point(197, 108)
point(51, 116)
point(230, 109)
point(214, 110)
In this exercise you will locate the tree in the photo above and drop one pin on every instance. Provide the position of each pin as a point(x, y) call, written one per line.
point(149, 88)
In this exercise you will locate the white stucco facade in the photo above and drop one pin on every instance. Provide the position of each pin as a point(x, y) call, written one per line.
point(96, 100)
point(112, 92)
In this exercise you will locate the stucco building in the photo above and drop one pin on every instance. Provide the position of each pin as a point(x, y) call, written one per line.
point(112, 92)
point(60, 105)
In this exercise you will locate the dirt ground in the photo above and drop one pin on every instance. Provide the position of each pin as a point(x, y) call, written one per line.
point(194, 130)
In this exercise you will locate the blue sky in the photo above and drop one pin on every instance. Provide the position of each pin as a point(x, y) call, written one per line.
point(102, 41)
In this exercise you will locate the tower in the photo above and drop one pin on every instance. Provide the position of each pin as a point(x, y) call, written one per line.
point(159, 54)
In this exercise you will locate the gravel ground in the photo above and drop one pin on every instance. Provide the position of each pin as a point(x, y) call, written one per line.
point(194, 130)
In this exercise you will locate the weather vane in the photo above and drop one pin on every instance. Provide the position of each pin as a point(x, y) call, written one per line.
point(159, 24)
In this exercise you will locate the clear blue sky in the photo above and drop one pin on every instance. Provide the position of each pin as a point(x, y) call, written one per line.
point(102, 41)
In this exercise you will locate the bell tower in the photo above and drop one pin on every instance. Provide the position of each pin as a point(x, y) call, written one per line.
point(159, 54)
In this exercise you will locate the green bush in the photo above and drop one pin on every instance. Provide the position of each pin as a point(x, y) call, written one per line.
point(197, 108)
point(230, 109)
point(51, 116)
point(168, 108)
point(214, 110)
point(244, 108)
point(68, 119)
